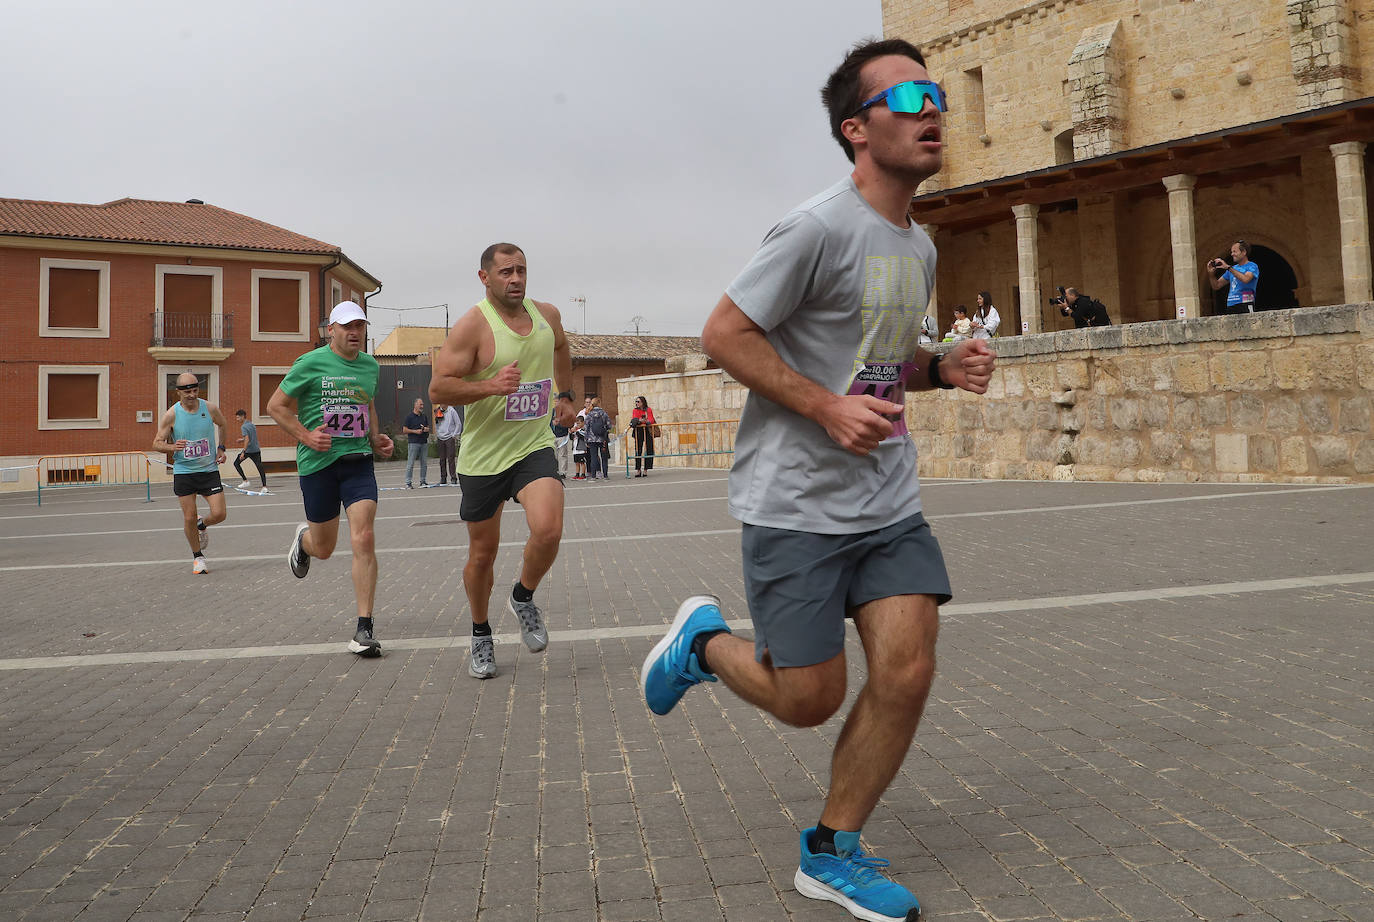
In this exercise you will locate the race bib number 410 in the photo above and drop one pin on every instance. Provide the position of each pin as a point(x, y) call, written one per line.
point(530, 401)
point(346, 420)
point(886, 381)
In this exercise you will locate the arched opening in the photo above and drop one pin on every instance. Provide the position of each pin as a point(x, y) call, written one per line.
point(1063, 147)
point(1277, 281)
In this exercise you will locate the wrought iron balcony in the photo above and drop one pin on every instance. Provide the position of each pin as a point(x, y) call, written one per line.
point(193, 331)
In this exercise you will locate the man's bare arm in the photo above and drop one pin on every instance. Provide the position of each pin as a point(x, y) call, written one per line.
point(163, 440)
point(457, 359)
point(856, 422)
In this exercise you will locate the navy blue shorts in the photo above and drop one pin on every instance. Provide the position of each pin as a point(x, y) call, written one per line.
point(343, 483)
point(801, 586)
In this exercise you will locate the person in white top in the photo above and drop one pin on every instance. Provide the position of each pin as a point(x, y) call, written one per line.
point(985, 319)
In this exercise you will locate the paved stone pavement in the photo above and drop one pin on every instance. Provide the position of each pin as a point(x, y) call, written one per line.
point(1153, 704)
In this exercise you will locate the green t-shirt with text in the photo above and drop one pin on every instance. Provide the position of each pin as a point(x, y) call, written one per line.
point(331, 391)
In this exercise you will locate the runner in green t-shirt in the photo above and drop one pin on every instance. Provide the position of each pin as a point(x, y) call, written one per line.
point(326, 403)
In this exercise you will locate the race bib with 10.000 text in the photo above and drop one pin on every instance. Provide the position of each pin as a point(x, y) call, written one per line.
point(886, 381)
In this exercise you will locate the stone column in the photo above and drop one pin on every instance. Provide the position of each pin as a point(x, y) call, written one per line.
point(933, 305)
point(1184, 238)
point(1028, 264)
point(1351, 203)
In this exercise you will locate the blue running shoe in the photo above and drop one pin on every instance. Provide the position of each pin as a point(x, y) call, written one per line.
point(854, 880)
point(671, 668)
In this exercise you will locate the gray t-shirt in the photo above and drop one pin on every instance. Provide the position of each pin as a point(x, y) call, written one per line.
point(251, 432)
point(840, 292)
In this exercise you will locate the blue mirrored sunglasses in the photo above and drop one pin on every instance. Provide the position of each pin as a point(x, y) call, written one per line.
point(909, 97)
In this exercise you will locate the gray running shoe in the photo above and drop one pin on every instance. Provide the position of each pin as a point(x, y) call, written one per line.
point(482, 662)
point(364, 643)
point(532, 629)
point(204, 532)
point(297, 557)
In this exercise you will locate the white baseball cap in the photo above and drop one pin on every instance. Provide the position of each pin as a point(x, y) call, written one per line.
point(346, 312)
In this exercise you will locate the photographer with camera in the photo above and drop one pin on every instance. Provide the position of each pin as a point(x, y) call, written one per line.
point(1243, 278)
point(1085, 310)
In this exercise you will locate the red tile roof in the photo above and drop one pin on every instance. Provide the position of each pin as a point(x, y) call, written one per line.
point(130, 220)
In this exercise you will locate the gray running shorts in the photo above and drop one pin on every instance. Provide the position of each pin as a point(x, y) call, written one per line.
point(801, 586)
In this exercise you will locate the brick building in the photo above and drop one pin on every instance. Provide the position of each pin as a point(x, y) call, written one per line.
point(1116, 145)
point(102, 306)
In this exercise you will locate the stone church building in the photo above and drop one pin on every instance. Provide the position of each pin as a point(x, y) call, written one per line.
point(1116, 145)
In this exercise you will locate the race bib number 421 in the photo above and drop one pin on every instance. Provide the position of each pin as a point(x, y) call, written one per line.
point(346, 420)
point(530, 401)
point(886, 381)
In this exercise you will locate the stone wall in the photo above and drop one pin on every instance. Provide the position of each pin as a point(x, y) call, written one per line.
point(1279, 396)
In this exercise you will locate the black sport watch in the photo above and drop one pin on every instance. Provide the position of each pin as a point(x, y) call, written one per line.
point(561, 394)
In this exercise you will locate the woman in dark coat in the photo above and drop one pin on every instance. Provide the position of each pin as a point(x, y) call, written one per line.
point(643, 423)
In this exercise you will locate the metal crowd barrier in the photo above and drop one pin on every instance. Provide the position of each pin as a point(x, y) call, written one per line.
point(102, 469)
point(687, 444)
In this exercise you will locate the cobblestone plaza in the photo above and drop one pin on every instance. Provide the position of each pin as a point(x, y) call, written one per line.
point(1156, 706)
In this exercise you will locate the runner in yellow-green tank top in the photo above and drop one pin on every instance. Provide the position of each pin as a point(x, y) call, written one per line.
point(502, 429)
point(507, 361)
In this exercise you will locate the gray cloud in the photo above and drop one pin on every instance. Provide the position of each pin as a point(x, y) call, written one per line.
point(637, 151)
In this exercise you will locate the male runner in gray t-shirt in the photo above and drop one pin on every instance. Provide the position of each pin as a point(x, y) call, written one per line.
point(822, 327)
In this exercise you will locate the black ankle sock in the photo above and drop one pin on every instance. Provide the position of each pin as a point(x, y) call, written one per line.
point(198, 554)
point(365, 623)
point(520, 593)
point(699, 648)
point(824, 840)
point(200, 525)
point(481, 630)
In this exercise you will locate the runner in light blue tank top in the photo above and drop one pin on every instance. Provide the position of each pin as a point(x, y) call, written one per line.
point(192, 431)
point(197, 429)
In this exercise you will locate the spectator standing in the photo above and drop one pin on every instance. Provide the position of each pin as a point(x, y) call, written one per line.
point(598, 427)
point(250, 450)
point(1243, 277)
point(645, 429)
point(577, 437)
point(416, 428)
point(449, 427)
point(985, 319)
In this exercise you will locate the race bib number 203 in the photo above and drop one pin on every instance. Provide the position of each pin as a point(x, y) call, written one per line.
point(530, 401)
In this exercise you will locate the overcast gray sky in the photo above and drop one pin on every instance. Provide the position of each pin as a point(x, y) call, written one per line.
point(637, 151)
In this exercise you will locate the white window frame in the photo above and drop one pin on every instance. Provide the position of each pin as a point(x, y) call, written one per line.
point(102, 328)
point(216, 287)
point(306, 334)
point(214, 371)
point(102, 419)
point(335, 293)
point(258, 372)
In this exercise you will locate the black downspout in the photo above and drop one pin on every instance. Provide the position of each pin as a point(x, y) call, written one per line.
point(324, 299)
point(371, 294)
